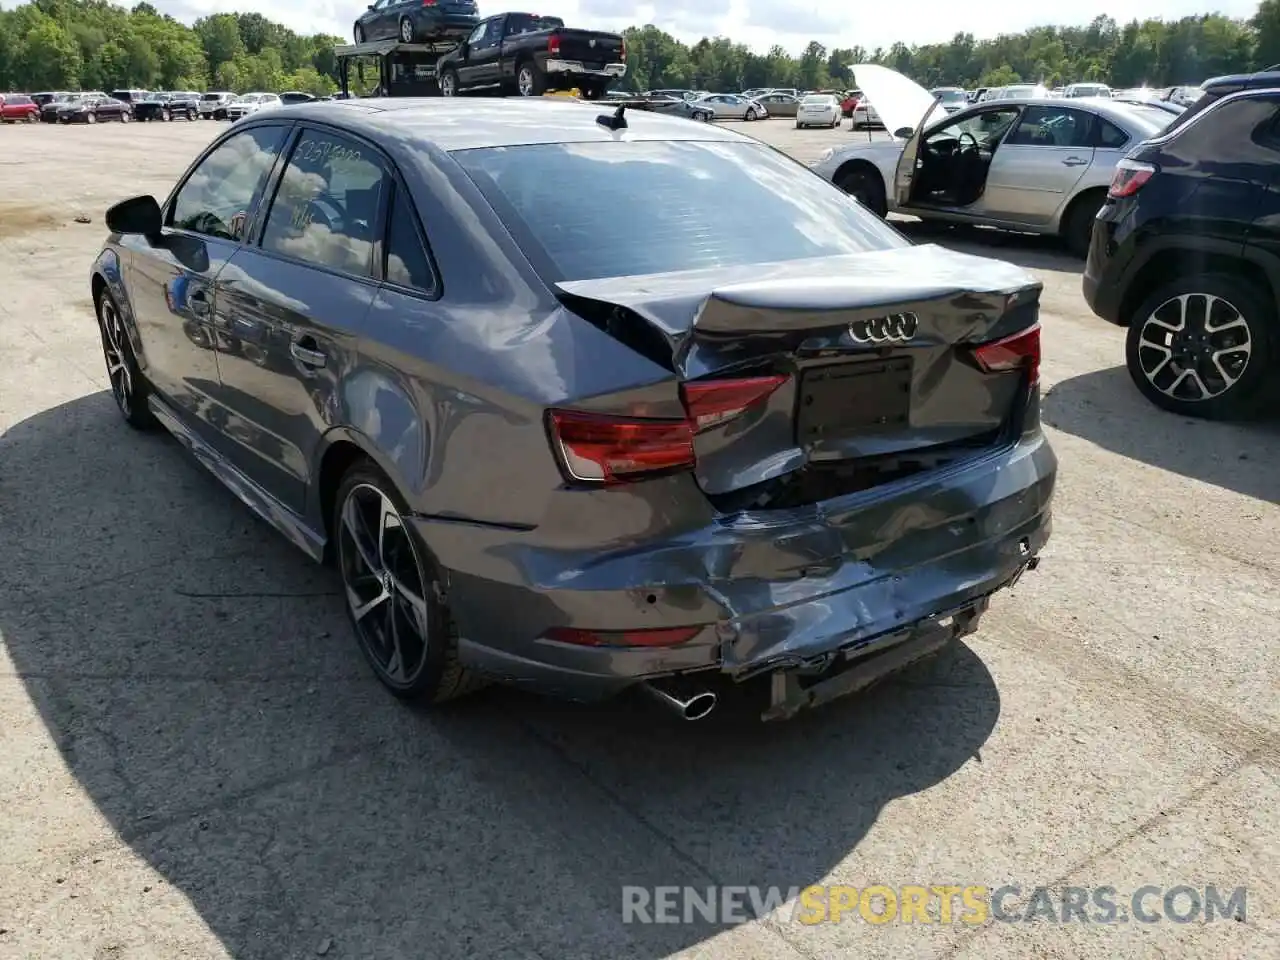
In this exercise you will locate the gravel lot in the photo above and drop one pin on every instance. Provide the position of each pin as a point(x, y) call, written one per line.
point(195, 762)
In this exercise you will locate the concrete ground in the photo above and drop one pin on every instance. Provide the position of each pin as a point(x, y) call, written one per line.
point(195, 761)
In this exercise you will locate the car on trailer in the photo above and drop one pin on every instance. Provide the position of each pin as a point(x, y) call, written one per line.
point(416, 21)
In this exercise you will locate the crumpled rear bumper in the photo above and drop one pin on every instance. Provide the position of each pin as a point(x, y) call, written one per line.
point(774, 591)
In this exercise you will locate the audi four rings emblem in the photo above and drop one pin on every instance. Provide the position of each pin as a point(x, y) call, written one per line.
point(895, 328)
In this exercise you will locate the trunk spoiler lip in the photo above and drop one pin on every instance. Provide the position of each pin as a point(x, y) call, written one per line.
point(682, 302)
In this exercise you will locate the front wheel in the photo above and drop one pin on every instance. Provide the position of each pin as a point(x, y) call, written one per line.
point(124, 116)
point(90, 118)
point(751, 114)
point(449, 84)
point(1204, 346)
point(128, 387)
point(358, 34)
point(406, 30)
point(394, 593)
point(166, 116)
point(865, 186)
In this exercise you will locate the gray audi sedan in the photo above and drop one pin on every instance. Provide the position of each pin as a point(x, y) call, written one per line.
point(583, 399)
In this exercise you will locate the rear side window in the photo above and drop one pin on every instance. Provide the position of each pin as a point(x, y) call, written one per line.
point(407, 263)
point(325, 209)
point(218, 198)
point(610, 209)
point(1110, 136)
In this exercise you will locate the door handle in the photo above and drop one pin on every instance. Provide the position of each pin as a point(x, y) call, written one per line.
point(305, 352)
point(1074, 161)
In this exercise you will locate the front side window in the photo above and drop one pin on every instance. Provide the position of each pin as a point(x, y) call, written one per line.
point(986, 127)
point(1052, 127)
point(326, 206)
point(671, 206)
point(219, 196)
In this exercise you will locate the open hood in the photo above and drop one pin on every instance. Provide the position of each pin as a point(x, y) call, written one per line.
point(901, 102)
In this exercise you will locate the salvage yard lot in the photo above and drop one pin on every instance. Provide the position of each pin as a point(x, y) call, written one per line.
point(195, 761)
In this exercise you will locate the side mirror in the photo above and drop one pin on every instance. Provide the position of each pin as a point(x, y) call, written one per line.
point(137, 215)
point(903, 133)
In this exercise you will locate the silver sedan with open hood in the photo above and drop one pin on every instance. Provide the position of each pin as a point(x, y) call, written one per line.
point(583, 399)
point(1030, 164)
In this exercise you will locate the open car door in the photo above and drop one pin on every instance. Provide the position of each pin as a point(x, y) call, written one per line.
point(904, 107)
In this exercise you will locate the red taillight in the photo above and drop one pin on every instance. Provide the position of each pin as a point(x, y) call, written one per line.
point(428, 3)
point(622, 52)
point(1021, 351)
point(553, 44)
point(1129, 178)
point(660, 637)
point(605, 449)
point(714, 401)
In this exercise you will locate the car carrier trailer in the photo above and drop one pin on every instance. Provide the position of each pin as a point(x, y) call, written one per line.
point(389, 68)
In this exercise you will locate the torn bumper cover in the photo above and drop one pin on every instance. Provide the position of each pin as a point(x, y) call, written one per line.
point(789, 590)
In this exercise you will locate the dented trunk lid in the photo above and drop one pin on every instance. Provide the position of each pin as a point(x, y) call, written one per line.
point(876, 348)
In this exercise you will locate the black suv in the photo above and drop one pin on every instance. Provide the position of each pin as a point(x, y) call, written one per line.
point(1186, 253)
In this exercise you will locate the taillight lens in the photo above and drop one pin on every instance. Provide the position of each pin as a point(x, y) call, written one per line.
point(428, 3)
point(660, 637)
point(1021, 351)
point(604, 449)
point(553, 44)
point(1129, 178)
point(622, 53)
point(712, 402)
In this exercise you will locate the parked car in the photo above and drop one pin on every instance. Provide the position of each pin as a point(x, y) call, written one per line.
point(1168, 106)
point(730, 106)
point(416, 21)
point(952, 99)
point(130, 97)
point(212, 102)
point(1191, 272)
point(250, 103)
point(816, 110)
point(93, 107)
point(690, 497)
point(48, 96)
point(291, 97)
point(862, 113)
point(18, 108)
point(1075, 90)
point(53, 109)
point(168, 105)
point(1031, 165)
point(777, 104)
point(1017, 91)
point(528, 54)
point(680, 107)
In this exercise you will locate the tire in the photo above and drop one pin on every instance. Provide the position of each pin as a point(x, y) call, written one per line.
point(835, 124)
point(412, 666)
point(529, 80)
point(1256, 342)
point(404, 32)
point(799, 127)
point(1077, 226)
point(90, 118)
point(751, 114)
point(449, 83)
point(867, 187)
point(166, 116)
point(129, 387)
point(358, 34)
point(125, 116)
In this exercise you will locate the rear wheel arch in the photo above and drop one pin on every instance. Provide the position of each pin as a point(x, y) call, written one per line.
point(342, 449)
point(1092, 197)
point(1165, 264)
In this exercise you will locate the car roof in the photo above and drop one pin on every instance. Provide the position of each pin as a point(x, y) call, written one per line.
point(1262, 80)
point(467, 123)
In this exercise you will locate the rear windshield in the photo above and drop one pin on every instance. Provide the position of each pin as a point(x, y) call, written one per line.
point(583, 211)
point(518, 23)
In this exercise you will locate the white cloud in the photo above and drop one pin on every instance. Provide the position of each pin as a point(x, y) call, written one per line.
point(762, 23)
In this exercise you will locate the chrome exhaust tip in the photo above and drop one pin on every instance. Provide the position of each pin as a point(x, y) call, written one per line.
point(690, 706)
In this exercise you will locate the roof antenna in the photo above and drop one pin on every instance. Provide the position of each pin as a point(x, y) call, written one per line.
point(616, 121)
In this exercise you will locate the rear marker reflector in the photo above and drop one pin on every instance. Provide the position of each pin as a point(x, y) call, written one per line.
point(661, 637)
point(1021, 351)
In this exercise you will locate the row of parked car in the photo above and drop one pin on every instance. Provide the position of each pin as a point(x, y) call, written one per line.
point(123, 106)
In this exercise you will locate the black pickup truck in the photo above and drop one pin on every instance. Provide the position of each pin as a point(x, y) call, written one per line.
point(528, 54)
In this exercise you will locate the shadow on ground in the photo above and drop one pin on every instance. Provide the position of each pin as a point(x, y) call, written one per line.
point(1027, 250)
point(198, 679)
point(1104, 407)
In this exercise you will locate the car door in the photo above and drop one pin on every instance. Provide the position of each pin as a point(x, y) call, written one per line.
point(375, 21)
point(1039, 163)
point(484, 57)
point(170, 278)
point(292, 304)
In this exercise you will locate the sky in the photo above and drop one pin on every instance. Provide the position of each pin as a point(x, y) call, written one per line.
point(760, 23)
